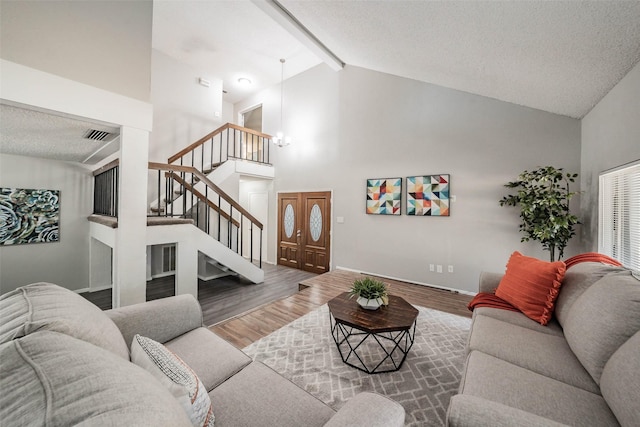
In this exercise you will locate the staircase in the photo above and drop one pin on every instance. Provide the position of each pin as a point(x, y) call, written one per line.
point(229, 141)
point(184, 188)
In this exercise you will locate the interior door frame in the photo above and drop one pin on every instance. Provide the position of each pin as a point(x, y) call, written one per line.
point(277, 227)
point(242, 112)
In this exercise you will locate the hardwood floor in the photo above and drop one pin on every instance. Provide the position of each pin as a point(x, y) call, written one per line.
point(243, 330)
point(242, 312)
point(226, 297)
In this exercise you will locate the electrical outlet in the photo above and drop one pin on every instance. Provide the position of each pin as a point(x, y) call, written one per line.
point(450, 268)
point(439, 268)
point(432, 267)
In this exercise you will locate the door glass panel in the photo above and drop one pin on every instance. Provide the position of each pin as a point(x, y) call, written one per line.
point(289, 221)
point(315, 222)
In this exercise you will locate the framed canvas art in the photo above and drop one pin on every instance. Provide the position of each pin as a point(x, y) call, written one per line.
point(384, 196)
point(29, 216)
point(428, 195)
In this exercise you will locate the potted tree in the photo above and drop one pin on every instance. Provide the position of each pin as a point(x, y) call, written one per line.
point(371, 293)
point(543, 196)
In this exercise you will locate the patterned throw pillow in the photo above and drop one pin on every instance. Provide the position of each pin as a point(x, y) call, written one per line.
point(177, 376)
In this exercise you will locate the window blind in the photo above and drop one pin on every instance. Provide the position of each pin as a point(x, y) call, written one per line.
point(619, 215)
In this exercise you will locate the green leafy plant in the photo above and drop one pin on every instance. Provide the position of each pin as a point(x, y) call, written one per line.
point(543, 196)
point(369, 288)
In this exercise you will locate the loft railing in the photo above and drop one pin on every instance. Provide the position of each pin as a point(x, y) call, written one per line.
point(105, 190)
point(229, 141)
point(188, 193)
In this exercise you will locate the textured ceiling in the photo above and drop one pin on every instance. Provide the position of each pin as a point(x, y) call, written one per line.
point(557, 56)
point(25, 132)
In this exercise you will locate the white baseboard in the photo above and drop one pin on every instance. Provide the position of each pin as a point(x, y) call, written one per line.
point(159, 275)
point(458, 291)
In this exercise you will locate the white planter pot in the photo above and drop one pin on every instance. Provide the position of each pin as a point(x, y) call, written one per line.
point(369, 304)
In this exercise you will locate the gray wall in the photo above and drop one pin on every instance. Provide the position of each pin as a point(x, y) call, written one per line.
point(66, 262)
point(357, 124)
point(106, 44)
point(610, 138)
point(101, 265)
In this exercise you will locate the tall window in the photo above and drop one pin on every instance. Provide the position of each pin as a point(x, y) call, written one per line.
point(619, 219)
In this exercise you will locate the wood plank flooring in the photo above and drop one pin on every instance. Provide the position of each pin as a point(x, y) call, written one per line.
point(243, 330)
point(225, 297)
point(243, 312)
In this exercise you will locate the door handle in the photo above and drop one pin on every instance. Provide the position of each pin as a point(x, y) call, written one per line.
point(298, 233)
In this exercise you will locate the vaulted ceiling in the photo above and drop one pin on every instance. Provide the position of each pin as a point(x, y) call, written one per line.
point(557, 56)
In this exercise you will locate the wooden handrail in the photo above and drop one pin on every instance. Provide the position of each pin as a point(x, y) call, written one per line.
point(211, 135)
point(204, 179)
point(106, 167)
point(201, 196)
point(251, 131)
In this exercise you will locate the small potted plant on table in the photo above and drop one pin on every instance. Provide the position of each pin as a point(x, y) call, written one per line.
point(371, 293)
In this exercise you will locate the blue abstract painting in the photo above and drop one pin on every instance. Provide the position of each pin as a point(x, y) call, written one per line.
point(29, 216)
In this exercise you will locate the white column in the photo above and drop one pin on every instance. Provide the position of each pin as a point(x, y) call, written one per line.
point(131, 249)
point(186, 267)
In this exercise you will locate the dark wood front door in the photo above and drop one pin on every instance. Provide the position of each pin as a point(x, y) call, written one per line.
point(289, 229)
point(304, 230)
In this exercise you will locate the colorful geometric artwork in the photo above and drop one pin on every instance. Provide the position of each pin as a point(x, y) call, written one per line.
point(29, 216)
point(428, 195)
point(384, 196)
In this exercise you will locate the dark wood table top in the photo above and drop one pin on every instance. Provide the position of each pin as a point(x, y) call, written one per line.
point(397, 316)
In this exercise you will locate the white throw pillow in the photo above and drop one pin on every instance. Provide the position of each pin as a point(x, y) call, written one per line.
point(177, 376)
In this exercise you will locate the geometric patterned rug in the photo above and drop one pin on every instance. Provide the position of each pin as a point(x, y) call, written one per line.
point(304, 352)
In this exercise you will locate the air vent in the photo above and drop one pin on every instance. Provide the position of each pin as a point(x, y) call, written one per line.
point(98, 135)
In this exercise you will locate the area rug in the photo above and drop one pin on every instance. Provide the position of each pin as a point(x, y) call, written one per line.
point(304, 352)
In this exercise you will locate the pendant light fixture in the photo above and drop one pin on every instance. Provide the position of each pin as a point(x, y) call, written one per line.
point(281, 140)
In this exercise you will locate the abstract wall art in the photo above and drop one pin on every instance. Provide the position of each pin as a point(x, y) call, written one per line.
point(428, 195)
point(29, 216)
point(384, 196)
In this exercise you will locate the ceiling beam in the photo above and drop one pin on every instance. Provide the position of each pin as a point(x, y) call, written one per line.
point(291, 24)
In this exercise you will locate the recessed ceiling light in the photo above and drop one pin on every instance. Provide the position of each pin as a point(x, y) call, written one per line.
point(243, 81)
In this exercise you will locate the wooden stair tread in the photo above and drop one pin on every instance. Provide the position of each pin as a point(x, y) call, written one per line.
point(112, 222)
point(167, 220)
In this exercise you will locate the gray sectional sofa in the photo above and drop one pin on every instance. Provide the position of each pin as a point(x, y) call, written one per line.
point(582, 369)
point(65, 362)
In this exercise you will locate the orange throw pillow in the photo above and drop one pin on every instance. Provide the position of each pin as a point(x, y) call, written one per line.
point(532, 285)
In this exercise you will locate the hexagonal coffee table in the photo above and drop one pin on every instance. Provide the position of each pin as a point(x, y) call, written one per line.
point(373, 341)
